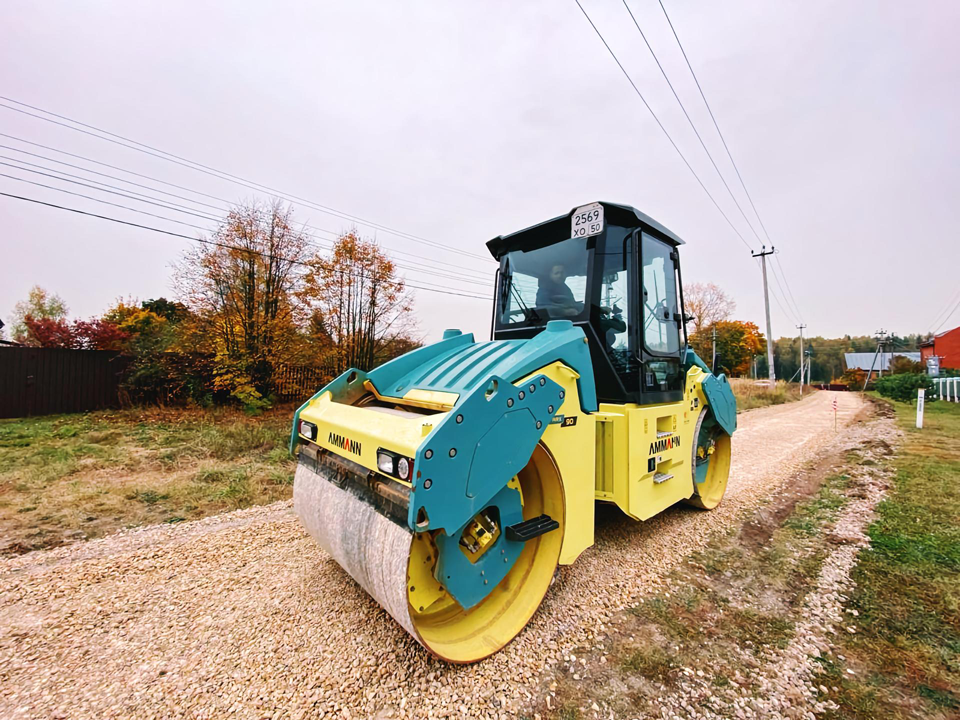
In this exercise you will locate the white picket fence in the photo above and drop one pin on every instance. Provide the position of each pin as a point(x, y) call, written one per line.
point(948, 388)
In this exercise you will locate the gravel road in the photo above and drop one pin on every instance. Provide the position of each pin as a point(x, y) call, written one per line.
point(243, 615)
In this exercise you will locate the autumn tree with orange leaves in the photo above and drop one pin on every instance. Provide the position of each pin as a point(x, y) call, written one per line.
point(737, 343)
point(360, 303)
point(241, 287)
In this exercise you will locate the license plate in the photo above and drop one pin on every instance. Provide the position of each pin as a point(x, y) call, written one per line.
point(587, 221)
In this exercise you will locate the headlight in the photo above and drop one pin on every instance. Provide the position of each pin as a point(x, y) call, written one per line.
point(395, 465)
point(385, 462)
point(308, 430)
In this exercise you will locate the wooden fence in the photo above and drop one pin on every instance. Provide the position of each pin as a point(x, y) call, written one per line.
point(46, 381)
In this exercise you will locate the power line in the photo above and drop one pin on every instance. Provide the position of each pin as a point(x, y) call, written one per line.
point(221, 208)
point(213, 172)
point(219, 244)
point(105, 202)
point(714, 119)
point(945, 308)
point(787, 283)
point(131, 196)
point(786, 313)
point(660, 124)
point(949, 315)
point(427, 261)
point(723, 140)
point(112, 167)
point(690, 121)
point(319, 244)
point(784, 306)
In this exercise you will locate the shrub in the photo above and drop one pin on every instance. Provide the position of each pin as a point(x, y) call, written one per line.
point(854, 378)
point(903, 387)
point(901, 364)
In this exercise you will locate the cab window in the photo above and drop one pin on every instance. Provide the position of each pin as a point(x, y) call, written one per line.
point(661, 333)
point(615, 313)
point(548, 283)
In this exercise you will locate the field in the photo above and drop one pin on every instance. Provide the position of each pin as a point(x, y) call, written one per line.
point(71, 477)
point(750, 395)
point(74, 477)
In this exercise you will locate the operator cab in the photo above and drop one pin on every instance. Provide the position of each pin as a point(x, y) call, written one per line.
point(612, 271)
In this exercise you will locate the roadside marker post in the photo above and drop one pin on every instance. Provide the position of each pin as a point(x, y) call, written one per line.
point(920, 394)
point(834, 413)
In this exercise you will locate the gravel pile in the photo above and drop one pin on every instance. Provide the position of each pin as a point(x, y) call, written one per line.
point(243, 615)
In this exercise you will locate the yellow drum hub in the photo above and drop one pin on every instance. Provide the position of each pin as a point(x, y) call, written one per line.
point(462, 636)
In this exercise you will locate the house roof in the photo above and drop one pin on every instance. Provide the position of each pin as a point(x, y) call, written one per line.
point(863, 361)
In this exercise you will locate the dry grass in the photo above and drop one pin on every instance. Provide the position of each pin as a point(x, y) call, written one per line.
point(69, 477)
point(752, 394)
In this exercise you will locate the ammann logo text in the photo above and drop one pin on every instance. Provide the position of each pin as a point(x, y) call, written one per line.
point(344, 443)
point(666, 443)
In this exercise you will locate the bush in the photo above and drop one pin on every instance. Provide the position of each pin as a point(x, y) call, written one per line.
point(171, 378)
point(854, 378)
point(903, 387)
point(901, 364)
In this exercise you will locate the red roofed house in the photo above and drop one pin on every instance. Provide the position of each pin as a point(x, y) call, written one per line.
point(946, 346)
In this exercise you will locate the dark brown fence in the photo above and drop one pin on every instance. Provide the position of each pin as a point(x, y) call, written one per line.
point(299, 383)
point(45, 381)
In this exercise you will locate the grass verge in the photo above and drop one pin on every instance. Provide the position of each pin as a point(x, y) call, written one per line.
point(715, 634)
point(81, 476)
point(906, 647)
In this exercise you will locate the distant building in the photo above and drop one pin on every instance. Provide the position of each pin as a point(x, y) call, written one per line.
point(863, 360)
point(946, 346)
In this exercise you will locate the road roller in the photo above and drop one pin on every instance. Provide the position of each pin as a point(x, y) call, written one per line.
point(452, 481)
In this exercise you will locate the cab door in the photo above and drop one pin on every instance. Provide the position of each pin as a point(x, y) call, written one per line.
point(661, 379)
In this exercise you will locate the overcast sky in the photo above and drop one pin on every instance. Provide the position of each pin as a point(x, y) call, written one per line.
point(457, 122)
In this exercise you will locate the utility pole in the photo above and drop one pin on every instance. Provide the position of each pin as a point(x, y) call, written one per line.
point(713, 363)
point(801, 326)
point(881, 342)
point(879, 353)
point(766, 304)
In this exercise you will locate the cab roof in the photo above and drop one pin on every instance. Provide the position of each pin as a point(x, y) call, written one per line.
point(558, 230)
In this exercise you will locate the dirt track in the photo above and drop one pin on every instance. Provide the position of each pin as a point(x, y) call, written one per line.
point(242, 615)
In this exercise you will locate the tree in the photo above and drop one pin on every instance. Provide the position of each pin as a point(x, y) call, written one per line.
point(152, 326)
point(364, 307)
point(40, 305)
point(93, 334)
point(854, 378)
point(708, 304)
point(242, 293)
point(737, 343)
point(47, 332)
point(174, 312)
point(904, 387)
point(901, 364)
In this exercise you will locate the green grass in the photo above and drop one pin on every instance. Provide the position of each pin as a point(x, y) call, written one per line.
point(908, 583)
point(98, 472)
